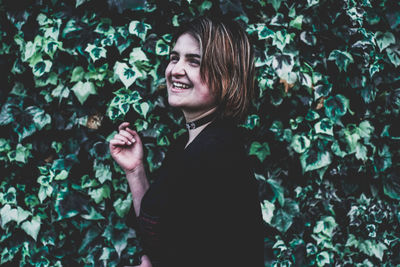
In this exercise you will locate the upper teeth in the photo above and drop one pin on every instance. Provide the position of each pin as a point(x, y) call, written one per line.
point(180, 85)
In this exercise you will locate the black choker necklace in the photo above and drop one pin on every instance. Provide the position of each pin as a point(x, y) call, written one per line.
point(194, 124)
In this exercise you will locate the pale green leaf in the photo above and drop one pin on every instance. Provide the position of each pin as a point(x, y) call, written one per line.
point(82, 90)
point(32, 227)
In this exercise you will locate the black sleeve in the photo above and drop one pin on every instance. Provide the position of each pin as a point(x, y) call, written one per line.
point(218, 214)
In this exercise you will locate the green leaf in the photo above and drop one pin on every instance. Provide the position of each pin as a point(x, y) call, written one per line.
point(62, 175)
point(261, 151)
point(283, 218)
point(8, 214)
point(139, 29)
point(278, 191)
point(162, 48)
point(341, 58)
point(391, 186)
point(103, 172)
point(126, 74)
point(300, 143)
point(42, 67)
point(276, 4)
point(96, 52)
point(99, 194)
point(137, 55)
point(394, 55)
point(10, 197)
point(122, 206)
point(323, 258)
point(383, 40)
point(297, 22)
point(32, 227)
point(77, 74)
point(324, 126)
point(44, 192)
point(252, 121)
point(93, 215)
point(313, 160)
point(264, 32)
point(267, 209)
point(336, 107)
point(82, 90)
point(142, 108)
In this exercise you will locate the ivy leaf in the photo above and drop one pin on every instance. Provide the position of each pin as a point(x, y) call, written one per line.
point(336, 107)
point(264, 32)
point(394, 55)
point(103, 172)
point(261, 151)
point(137, 55)
point(267, 209)
point(276, 4)
point(77, 74)
point(283, 218)
point(10, 197)
point(99, 194)
point(297, 22)
point(300, 143)
point(383, 40)
point(8, 214)
point(96, 52)
point(32, 227)
point(139, 29)
point(324, 126)
point(82, 90)
point(308, 38)
point(122, 207)
point(252, 121)
point(313, 160)
point(126, 74)
point(341, 58)
point(142, 108)
point(162, 48)
point(391, 186)
point(42, 67)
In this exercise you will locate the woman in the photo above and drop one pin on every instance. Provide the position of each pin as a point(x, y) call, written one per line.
point(203, 209)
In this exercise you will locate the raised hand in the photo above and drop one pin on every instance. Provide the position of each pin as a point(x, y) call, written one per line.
point(126, 148)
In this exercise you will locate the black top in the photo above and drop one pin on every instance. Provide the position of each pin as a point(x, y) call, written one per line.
point(203, 208)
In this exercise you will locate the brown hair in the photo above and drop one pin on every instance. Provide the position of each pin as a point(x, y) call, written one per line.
point(227, 64)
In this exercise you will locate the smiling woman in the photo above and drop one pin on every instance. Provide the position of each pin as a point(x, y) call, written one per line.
point(203, 208)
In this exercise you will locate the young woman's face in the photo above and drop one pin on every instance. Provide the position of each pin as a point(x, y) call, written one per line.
point(186, 89)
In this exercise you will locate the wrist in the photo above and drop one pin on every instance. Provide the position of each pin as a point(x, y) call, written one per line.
point(135, 171)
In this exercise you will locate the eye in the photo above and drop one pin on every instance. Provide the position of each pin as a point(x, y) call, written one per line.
point(173, 58)
point(194, 62)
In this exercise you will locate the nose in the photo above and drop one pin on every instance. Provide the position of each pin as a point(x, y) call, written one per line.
point(178, 68)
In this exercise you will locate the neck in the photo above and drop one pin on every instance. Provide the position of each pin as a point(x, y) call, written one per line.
point(193, 117)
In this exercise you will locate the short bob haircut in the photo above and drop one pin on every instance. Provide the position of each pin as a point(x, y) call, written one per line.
point(227, 64)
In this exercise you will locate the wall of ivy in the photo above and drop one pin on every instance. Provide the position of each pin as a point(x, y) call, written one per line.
point(321, 134)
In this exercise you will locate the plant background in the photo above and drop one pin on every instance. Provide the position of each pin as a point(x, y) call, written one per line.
point(321, 132)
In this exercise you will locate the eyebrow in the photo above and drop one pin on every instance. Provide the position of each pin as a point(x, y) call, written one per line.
point(186, 55)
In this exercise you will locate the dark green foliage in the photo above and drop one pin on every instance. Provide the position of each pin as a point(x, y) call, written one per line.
point(321, 134)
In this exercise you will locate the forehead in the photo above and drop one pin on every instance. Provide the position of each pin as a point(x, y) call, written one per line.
point(186, 44)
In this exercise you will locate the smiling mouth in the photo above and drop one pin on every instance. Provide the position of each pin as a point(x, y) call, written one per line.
point(180, 85)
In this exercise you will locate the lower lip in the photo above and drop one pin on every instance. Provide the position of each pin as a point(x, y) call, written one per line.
point(178, 90)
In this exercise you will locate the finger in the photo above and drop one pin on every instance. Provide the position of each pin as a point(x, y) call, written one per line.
point(127, 135)
point(116, 142)
point(123, 125)
point(122, 138)
point(134, 134)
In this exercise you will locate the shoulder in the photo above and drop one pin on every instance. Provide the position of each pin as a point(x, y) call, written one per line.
point(220, 137)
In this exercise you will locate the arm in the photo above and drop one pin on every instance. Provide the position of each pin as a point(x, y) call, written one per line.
point(127, 150)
